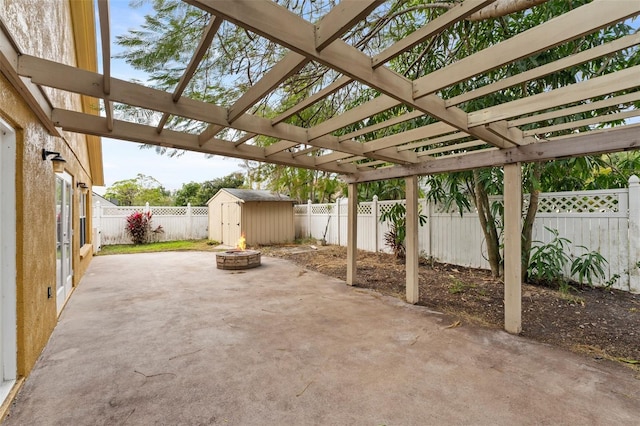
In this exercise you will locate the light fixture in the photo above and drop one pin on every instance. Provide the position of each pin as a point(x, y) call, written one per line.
point(83, 187)
point(56, 160)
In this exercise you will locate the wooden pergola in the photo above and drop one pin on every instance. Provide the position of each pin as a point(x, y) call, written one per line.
point(458, 139)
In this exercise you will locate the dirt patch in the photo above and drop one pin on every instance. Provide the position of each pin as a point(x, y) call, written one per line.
point(601, 323)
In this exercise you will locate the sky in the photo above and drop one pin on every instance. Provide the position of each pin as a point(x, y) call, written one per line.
point(124, 160)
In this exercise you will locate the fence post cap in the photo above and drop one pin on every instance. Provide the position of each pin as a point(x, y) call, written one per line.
point(375, 198)
point(634, 179)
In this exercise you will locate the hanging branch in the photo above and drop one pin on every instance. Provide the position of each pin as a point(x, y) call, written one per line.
point(503, 7)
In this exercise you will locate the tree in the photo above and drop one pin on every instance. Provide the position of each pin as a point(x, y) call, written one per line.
point(199, 193)
point(479, 185)
point(138, 191)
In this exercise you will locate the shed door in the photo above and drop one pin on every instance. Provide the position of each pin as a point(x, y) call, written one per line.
point(230, 223)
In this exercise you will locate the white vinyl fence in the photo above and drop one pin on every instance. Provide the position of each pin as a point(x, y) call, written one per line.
point(178, 223)
point(606, 221)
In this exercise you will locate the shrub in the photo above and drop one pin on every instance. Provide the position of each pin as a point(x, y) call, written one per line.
point(548, 260)
point(394, 239)
point(139, 227)
point(589, 266)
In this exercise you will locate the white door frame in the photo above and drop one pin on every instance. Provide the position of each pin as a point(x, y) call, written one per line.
point(64, 265)
point(8, 333)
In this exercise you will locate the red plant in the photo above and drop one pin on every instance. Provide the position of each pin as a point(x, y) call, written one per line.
point(139, 226)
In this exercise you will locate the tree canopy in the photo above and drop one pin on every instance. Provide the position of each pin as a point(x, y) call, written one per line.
point(138, 191)
point(199, 193)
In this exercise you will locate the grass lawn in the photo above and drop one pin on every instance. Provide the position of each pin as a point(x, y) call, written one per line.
point(184, 245)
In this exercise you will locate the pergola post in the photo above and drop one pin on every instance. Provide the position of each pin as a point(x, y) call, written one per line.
point(411, 239)
point(352, 233)
point(512, 248)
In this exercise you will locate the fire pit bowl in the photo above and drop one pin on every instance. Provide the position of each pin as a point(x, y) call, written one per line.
point(238, 259)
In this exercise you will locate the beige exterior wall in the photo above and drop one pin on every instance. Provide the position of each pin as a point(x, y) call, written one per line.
point(266, 222)
point(42, 28)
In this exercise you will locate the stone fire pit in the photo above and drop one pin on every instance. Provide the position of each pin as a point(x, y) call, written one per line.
point(238, 259)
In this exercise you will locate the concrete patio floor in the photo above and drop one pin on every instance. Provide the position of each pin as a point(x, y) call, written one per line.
point(167, 339)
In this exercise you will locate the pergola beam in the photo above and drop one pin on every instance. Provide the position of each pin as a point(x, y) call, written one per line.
point(341, 18)
point(583, 20)
point(457, 13)
point(65, 77)
point(94, 125)
point(379, 126)
point(105, 37)
point(279, 25)
point(550, 68)
point(32, 94)
point(330, 27)
point(316, 97)
point(407, 136)
point(594, 87)
point(590, 143)
point(374, 106)
point(600, 119)
point(285, 68)
point(203, 45)
point(578, 109)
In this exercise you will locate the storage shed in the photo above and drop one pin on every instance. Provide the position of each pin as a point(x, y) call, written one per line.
point(263, 216)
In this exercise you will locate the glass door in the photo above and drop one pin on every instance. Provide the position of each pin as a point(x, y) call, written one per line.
point(8, 315)
point(64, 271)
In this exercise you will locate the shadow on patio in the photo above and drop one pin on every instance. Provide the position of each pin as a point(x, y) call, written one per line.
point(166, 338)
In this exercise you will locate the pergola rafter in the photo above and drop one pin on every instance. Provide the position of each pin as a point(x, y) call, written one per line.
point(422, 133)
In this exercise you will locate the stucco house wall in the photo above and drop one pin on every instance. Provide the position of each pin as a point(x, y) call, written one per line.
point(60, 30)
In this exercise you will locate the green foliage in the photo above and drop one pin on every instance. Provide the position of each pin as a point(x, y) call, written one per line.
point(392, 189)
point(138, 191)
point(139, 227)
point(588, 266)
point(548, 260)
point(395, 237)
point(199, 193)
point(182, 245)
point(457, 286)
point(299, 184)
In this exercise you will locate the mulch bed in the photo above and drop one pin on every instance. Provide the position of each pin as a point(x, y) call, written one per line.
point(601, 323)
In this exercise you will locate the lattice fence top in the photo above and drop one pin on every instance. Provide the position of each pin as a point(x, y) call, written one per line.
point(168, 211)
point(321, 208)
point(579, 203)
point(607, 201)
point(155, 210)
point(365, 208)
point(120, 211)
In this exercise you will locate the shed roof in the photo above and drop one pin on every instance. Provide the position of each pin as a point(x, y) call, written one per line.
point(257, 195)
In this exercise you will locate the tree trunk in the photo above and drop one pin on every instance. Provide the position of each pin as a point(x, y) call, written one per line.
point(527, 226)
point(488, 224)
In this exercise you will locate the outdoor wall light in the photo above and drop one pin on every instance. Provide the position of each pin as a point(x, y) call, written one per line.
point(83, 187)
point(56, 160)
